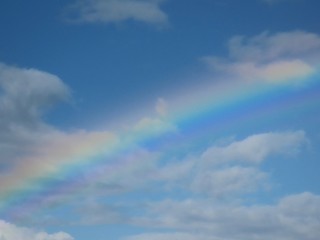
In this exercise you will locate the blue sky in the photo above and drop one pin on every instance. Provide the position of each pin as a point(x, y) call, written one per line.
point(159, 119)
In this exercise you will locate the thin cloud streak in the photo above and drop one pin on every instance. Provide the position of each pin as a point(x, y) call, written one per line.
point(111, 11)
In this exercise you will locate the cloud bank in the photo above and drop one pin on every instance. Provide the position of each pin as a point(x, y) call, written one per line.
point(294, 217)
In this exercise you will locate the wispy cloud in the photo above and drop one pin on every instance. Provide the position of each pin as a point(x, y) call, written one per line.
point(108, 11)
point(270, 57)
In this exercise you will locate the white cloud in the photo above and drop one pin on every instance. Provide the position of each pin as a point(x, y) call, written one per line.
point(40, 151)
point(278, 57)
point(256, 148)
point(294, 217)
point(220, 173)
point(107, 11)
point(275, 72)
point(268, 47)
point(223, 171)
point(226, 182)
point(175, 171)
point(220, 169)
point(25, 94)
point(30, 148)
point(11, 232)
point(93, 212)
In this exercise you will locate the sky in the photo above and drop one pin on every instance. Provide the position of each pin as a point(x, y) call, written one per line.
point(159, 119)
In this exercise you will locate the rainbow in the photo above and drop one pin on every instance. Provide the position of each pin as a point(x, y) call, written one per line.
point(196, 119)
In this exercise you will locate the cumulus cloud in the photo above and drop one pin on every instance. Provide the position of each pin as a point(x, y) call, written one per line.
point(271, 57)
point(24, 95)
point(107, 11)
point(223, 171)
point(293, 217)
point(11, 232)
point(32, 150)
point(217, 172)
point(256, 148)
point(221, 183)
point(220, 172)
